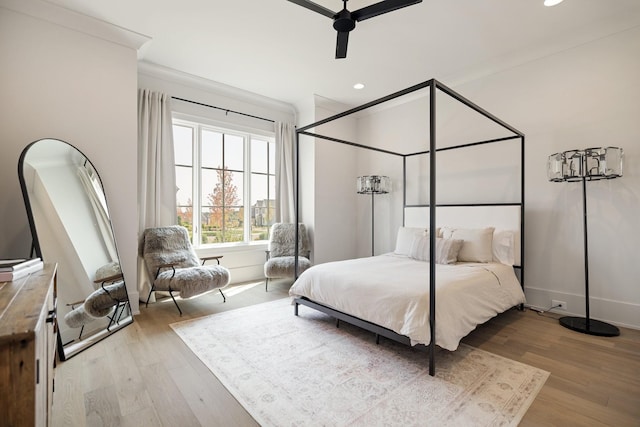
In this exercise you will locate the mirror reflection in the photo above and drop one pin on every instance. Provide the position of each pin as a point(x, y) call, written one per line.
point(70, 226)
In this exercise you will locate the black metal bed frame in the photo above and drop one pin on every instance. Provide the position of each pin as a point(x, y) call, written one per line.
point(433, 86)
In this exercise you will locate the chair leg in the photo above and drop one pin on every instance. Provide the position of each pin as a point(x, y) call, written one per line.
point(153, 287)
point(115, 319)
point(112, 319)
point(266, 283)
point(124, 307)
point(128, 308)
point(224, 299)
point(175, 302)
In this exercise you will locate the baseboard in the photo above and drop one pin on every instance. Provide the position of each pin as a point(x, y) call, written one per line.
point(619, 313)
point(134, 301)
point(246, 274)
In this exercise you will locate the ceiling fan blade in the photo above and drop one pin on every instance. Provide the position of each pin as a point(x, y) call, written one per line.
point(341, 44)
point(380, 8)
point(315, 7)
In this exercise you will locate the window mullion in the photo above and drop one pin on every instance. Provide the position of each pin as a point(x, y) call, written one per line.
point(224, 180)
point(197, 186)
point(268, 184)
point(247, 188)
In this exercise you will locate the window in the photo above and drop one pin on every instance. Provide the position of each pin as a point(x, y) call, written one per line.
point(228, 177)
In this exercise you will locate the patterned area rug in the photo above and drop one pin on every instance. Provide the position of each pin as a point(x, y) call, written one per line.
point(303, 371)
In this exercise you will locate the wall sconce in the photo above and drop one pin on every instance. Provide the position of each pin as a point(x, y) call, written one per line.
point(590, 164)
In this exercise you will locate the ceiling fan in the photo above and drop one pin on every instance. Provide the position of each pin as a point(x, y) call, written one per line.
point(345, 21)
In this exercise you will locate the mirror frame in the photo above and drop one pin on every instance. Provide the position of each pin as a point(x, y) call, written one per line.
point(87, 342)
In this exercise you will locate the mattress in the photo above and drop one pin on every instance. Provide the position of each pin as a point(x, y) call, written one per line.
point(392, 291)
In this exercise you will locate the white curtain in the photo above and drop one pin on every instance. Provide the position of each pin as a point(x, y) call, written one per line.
point(156, 170)
point(285, 186)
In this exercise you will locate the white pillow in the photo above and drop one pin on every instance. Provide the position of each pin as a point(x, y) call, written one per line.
point(477, 245)
point(446, 249)
point(405, 237)
point(504, 247)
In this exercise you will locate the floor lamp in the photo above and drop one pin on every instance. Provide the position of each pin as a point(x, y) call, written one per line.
point(590, 164)
point(373, 184)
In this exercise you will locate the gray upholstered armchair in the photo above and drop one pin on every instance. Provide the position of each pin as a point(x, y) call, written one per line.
point(280, 256)
point(174, 267)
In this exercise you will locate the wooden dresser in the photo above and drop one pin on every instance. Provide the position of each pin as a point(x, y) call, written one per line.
point(28, 333)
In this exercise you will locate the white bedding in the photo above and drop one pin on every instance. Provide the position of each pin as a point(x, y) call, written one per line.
point(393, 291)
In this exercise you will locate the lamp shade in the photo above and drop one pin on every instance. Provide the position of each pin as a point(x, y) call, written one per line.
point(373, 184)
point(591, 164)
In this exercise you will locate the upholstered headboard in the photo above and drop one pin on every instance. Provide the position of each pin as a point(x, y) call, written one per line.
point(502, 217)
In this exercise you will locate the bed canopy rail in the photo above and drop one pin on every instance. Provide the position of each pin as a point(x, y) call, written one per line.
point(434, 87)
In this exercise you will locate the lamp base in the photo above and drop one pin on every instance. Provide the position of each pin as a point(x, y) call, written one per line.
point(596, 327)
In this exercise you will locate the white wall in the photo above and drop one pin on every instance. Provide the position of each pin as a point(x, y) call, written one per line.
point(583, 97)
point(306, 114)
point(387, 211)
point(328, 183)
point(335, 195)
point(60, 83)
point(245, 263)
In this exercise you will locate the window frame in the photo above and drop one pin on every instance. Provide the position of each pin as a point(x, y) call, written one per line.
point(248, 134)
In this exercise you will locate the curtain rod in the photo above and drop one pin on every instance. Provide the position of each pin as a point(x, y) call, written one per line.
point(223, 109)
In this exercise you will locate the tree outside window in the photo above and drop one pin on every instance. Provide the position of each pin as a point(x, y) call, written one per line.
point(225, 220)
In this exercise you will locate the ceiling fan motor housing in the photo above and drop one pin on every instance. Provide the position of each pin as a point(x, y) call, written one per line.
point(343, 21)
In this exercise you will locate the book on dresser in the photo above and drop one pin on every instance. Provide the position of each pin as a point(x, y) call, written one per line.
point(18, 268)
point(16, 264)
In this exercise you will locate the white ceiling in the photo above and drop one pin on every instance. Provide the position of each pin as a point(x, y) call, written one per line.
point(283, 51)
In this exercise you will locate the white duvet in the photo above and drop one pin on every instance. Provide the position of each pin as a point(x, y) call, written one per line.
point(393, 291)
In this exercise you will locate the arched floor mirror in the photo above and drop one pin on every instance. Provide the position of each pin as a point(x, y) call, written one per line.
point(70, 225)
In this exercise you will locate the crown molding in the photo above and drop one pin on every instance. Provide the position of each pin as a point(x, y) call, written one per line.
point(76, 21)
point(170, 74)
point(329, 104)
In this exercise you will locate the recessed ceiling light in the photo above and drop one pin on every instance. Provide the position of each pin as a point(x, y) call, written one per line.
point(552, 2)
point(358, 86)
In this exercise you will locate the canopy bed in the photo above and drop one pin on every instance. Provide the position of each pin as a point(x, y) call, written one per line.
point(407, 282)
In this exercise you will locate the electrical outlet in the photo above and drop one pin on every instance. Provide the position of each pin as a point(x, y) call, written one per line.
point(558, 305)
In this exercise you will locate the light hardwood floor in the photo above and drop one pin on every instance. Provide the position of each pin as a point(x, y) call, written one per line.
point(144, 375)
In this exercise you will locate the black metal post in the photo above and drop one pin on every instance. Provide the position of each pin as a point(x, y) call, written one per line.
point(586, 325)
point(296, 171)
point(586, 253)
point(522, 214)
point(372, 226)
point(432, 228)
